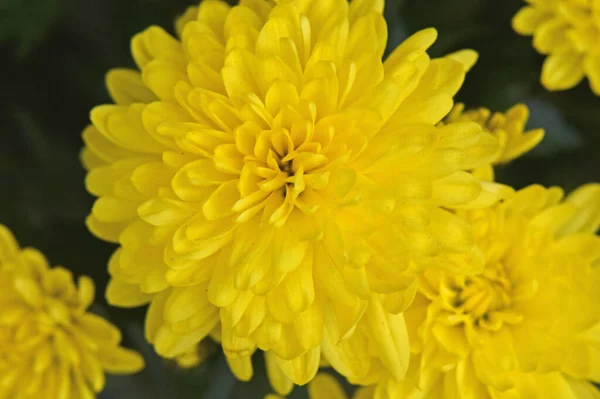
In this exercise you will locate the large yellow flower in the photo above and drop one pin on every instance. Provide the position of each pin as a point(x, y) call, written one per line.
point(568, 31)
point(529, 325)
point(269, 175)
point(50, 346)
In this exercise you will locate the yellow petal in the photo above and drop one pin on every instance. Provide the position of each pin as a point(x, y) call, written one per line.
point(309, 326)
point(86, 291)
point(189, 15)
point(324, 386)
point(221, 289)
point(125, 295)
point(467, 58)
point(241, 366)
point(150, 177)
point(562, 70)
point(184, 302)
point(113, 210)
point(220, 203)
point(458, 188)
point(121, 361)
point(160, 211)
point(155, 43)
point(162, 76)
point(397, 302)
point(99, 330)
point(298, 285)
point(123, 126)
point(391, 337)
point(586, 219)
point(91, 370)
point(170, 344)
point(550, 36)
point(154, 315)
point(30, 291)
point(126, 87)
point(302, 369)
point(252, 317)
point(349, 357)
point(528, 19)
point(417, 43)
point(429, 110)
point(359, 8)
point(213, 14)
point(281, 383)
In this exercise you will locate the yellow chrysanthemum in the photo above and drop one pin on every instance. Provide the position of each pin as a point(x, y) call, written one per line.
point(50, 346)
point(509, 129)
point(568, 31)
point(529, 325)
point(268, 172)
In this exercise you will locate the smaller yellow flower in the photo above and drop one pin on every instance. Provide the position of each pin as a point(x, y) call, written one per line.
point(50, 346)
point(508, 128)
point(529, 325)
point(568, 31)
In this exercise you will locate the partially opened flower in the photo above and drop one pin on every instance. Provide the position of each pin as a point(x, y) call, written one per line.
point(50, 345)
point(568, 31)
point(508, 127)
point(268, 173)
point(529, 325)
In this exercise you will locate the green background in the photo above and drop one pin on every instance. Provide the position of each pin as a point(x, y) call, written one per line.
point(53, 57)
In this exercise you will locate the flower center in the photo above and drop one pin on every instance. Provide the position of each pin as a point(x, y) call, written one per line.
point(482, 298)
point(282, 170)
point(286, 166)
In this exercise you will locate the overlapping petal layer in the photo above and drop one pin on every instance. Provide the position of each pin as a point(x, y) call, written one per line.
point(50, 346)
point(267, 175)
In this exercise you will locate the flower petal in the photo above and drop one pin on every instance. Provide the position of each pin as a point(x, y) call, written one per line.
point(562, 70)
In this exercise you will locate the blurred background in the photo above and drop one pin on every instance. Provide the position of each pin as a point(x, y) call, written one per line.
point(54, 54)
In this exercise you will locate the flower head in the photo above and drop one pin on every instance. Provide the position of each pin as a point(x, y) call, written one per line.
point(568, 31)
point(508, 127)
point(268, 174)
point(529, 325)
point(50, 346)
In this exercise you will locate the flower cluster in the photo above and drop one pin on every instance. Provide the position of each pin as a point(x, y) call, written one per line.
point(275, 184)
point(568, 31)
point(50, 345)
